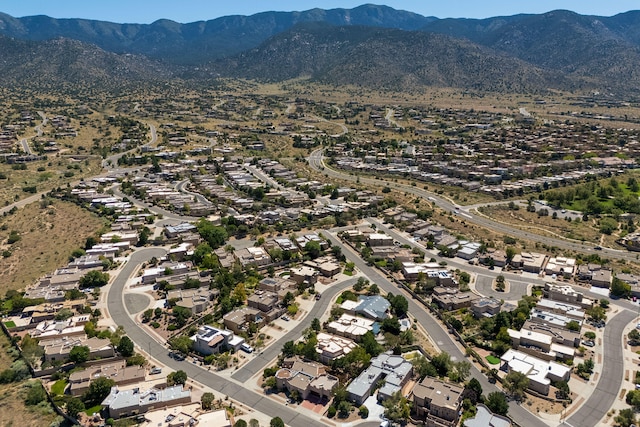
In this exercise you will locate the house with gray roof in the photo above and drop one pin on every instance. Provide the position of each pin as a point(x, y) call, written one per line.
point(395, 371)
point(373, 306)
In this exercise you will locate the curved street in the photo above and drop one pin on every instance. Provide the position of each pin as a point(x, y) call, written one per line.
point(232, 389)
point(316, 162)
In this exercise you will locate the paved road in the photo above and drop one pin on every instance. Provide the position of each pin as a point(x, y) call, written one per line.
point(221, 385)
point(438, 334)
point(608, 388)
point(182, 187)
point(111, 162)
point(316, 162)
point(261, 361)
point(610, 380)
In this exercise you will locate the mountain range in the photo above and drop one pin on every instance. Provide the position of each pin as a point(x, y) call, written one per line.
point(370, 45)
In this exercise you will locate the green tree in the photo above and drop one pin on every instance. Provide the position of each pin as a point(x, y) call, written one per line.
point(276, 422)
point(99, 388)
point(207, 400)
point(473, 390)
point(396, 408)
point(370, 344)
point(313, 249)
point(177, 377)
point(125, 347)
point(36, 394)
point(147, 315)
point(215, 236)
point(423, 367)
point(94, 279)
point(443, 363)
point(315, 324)
point(625, 418)
point(240, 423)
point(497, 403)
point(79, 354)
point(360, 284)
point(573, 326)
point(596, 313)
point(74, 406)
point(181, 343)
point(634, 337)
point(515, 383)
point(399, 304)
point(620, 288)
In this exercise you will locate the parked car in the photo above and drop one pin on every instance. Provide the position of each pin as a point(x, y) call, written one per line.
point(155, 371)
point(246, 348)
point(589, 343)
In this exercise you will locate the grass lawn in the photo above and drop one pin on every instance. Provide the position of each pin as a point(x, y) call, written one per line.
point(58, 387)
point(492, 360)
point(93, 410)
point(10, 324)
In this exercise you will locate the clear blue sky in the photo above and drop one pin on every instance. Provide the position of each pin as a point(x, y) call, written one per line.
point(147, 11)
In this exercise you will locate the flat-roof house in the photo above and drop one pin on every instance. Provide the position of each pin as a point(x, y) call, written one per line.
point(451, 299)
point(379, 239)
point(349, 326)
point(437, 402)
point(530, 262)
point(120, 403)
point(304, 274)
point(307, 378)
point(210, 340)
point(539, 372)
point(331, 347)
point(485, 307)
point(118, 371)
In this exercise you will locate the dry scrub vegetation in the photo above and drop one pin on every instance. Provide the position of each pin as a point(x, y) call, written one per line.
point(48, 233)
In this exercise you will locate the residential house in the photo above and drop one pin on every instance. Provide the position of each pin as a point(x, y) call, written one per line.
point(437, 403)
point(239, 319)
point(485, 307)
point(351, 327)
point(304, 274)
point(530, 262)
point(331, 347)
point(117, 371)
point(451, 299)
point(539, 372)
point(210, 340)
point(59, 349)
point(307, 378)
point(122, 403)
point(395, 371)
point(485, 418)
point(373, 307)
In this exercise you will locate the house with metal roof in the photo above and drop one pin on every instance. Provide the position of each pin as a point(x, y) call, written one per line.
point(373, 306)
point(395, 371)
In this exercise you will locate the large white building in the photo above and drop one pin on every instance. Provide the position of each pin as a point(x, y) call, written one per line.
point(539, 372)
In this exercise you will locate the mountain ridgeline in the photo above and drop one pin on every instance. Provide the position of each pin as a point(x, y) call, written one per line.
point(374, 46)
